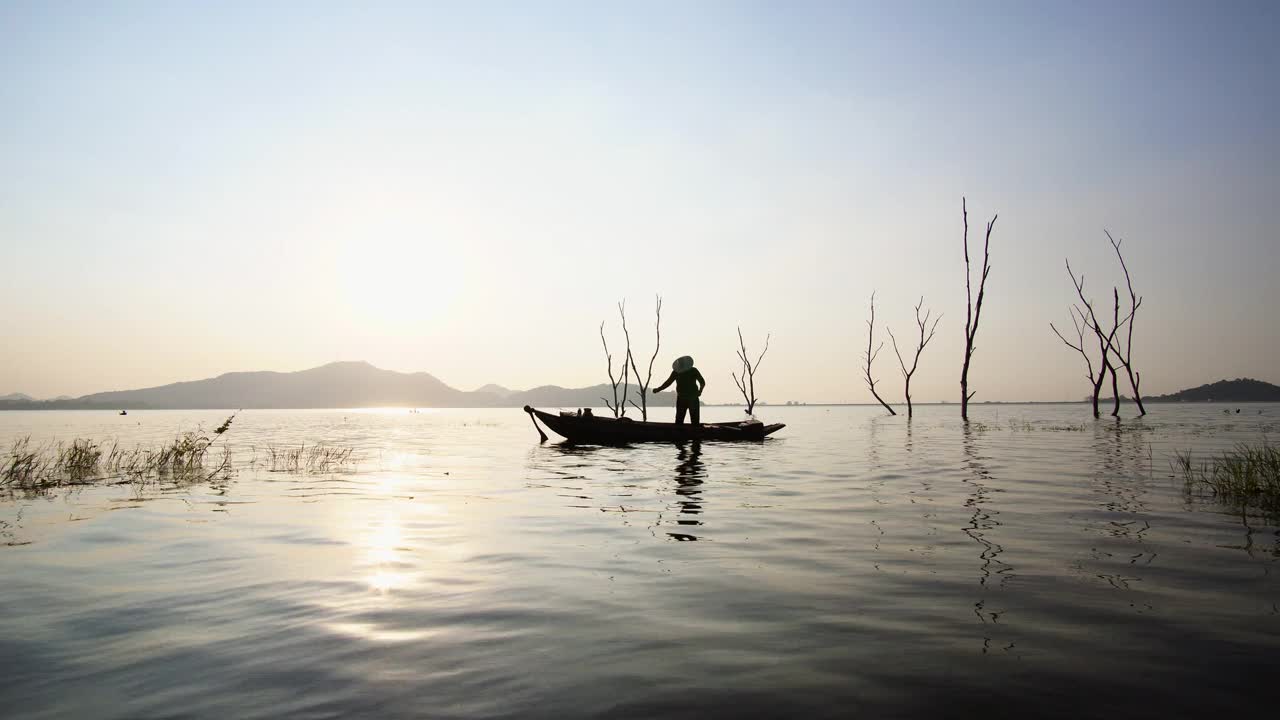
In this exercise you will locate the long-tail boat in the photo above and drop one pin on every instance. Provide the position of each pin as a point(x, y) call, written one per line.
point(593, 430)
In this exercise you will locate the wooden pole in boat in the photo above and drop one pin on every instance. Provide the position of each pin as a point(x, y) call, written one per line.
point(535, 424)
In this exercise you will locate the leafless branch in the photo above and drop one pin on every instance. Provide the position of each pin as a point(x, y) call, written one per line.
point(644, 387)
point(747, 382)
point(973, 311)
point(613, 407)
point(926, 334)
point(1125, 354)
point(869, 357)
point(622, 313)
point(1115, 327)
point(1086, 319)
point(1076, 320)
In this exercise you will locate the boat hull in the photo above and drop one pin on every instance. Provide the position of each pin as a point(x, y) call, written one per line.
point(591, 430)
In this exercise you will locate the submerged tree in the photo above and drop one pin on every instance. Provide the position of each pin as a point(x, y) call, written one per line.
point(1111, 337)
point(926, 334)
point(608, 358)
point(619, 405)
point(1125, 353)
point(643, 407)
point(1086, 320)
point(869, 357)
point(972, 312)
point(1080, 321)
point(747, 383)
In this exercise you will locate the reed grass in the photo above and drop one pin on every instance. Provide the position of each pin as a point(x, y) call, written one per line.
point(1247, 474)
point(84, 461)
point(1027, 426)
point(23, 463)
point(310, 459)
point(30, 468)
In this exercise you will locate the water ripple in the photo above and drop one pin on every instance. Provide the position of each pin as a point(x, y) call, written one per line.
point(1033, 563)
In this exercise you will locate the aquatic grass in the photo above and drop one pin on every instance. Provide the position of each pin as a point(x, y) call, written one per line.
point(1247, 474)
point(22, 463)
point(1028, 426)
point(79, 460)
point(313, 459)
point(85, 461)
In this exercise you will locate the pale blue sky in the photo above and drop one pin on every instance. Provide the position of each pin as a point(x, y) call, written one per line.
point(194, 188)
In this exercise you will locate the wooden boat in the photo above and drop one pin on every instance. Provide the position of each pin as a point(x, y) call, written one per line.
point(593, 430)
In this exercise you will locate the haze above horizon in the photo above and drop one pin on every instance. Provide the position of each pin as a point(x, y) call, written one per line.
point(195, 189)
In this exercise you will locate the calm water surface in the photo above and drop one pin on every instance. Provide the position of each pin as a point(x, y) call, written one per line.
point(1035, 563)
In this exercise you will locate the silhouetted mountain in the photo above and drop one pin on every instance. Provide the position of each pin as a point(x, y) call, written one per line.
point(61, 404)
point(495, 390)
point(1240, 390)
point(17, 396)
point(336, 385)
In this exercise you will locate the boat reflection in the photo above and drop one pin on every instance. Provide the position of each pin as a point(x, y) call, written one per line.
point(631, 481)
point(691, 473)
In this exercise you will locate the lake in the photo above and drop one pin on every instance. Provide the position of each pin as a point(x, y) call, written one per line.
point(1036, 562)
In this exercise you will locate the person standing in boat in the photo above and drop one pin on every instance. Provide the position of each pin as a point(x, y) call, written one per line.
point(689, 385)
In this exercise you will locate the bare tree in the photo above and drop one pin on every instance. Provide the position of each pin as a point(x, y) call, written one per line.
point(626, 359)
point(1125, 354)
point(926, 334)
point(608, 357)
point(1086, 319)
point(972, 312)
point(747, 383)
point(1080, 322)
point(626, 371)
point(869, 357)
point(1111, 337)
point(643, 407)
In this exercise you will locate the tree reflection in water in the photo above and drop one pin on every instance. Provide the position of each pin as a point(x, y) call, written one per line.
point(982, 524)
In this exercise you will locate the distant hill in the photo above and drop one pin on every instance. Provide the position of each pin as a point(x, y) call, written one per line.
point(495, 389)
point(52, 405)
point(336, 385)
point(17, 396)
point(1240, 390)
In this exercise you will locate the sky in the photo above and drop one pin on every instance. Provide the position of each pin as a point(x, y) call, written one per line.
point(469, 189)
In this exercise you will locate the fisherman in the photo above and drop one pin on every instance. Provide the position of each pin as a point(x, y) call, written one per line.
point(689, 385)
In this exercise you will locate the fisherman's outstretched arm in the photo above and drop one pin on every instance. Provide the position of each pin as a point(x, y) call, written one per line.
point(665, 385)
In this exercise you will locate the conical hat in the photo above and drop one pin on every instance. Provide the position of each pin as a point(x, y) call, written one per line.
point(682, 363)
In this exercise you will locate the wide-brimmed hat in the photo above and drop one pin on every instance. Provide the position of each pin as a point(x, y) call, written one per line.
point(682, 363)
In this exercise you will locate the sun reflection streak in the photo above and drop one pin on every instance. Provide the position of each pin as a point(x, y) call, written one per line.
point(390, 562)
point(369, 631)
point(384, 550)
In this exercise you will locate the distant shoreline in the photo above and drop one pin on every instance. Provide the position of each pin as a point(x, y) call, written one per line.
point(354, 385)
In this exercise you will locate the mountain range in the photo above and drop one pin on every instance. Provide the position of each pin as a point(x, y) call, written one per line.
point(359, 384)
point(336, 385)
